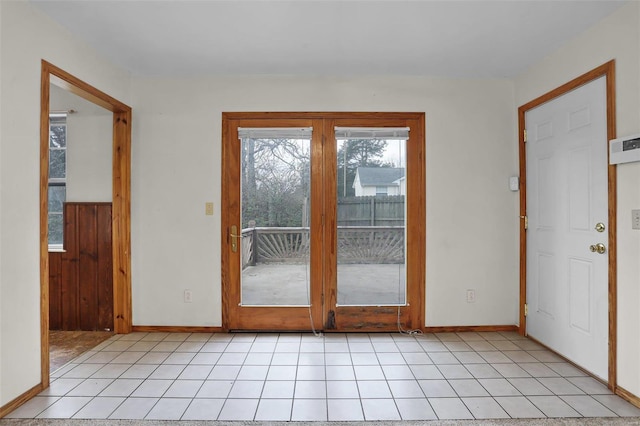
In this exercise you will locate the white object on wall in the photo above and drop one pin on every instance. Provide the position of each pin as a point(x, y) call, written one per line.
point(624, 150)
point(514, 183)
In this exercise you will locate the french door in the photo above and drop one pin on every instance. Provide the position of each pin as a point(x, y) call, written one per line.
point(323, 221)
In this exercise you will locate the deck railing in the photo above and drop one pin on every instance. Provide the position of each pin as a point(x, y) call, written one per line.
point(356, 244)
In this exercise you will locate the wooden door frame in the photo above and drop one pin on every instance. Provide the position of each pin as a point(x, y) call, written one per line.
point(416, 217)
point(121, 203)
point(606, 70)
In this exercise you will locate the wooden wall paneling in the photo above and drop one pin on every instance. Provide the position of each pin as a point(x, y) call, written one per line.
point(105, 269)
point(87, 226)
point(69, 279)
point(55, 289)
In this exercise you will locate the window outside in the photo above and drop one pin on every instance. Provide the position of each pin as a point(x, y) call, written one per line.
point(57, 178)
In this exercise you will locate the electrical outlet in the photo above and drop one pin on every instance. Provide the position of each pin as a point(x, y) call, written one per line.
point(188, 296)
point(208, 209)
point(471, 296)
point(635, 219)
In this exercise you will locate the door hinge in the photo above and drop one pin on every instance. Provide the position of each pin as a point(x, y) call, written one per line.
point(526, 310)
point(525, 135)
point(526, 221)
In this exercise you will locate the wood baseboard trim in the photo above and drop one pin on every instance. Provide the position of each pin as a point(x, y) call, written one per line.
point(17, 402)
point(176, 329)
point(628, 396)
point(467, 328)
point(441, 329)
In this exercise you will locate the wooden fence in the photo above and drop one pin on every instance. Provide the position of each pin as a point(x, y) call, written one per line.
point(371, 211)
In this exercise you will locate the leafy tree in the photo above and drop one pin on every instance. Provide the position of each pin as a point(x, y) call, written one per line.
point(356, 153)
point(275, 182)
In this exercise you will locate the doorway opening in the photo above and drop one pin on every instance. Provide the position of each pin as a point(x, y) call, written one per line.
point(317, 209)
point(114, 246)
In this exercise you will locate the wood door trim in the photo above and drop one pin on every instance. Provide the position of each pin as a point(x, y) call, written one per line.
point(321, 115)
point(121, 203)
point(606, 70)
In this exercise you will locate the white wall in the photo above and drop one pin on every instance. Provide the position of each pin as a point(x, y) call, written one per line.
point(89, 146)
point(471, 214)
point(616, 37)
point(27, 36)
point(1, 303)
point(89, 157)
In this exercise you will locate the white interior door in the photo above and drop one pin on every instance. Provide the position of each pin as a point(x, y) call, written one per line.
point(567, 197)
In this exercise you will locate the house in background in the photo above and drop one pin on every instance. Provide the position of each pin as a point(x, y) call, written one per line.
point(471, 135)
point(377, 181)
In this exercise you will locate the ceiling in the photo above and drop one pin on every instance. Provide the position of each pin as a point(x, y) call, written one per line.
point(470, 39)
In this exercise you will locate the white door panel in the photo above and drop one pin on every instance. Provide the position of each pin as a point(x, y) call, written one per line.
point(567, 284)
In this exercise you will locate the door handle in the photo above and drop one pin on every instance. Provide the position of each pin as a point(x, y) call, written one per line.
point(234, 238)
point(600, 248)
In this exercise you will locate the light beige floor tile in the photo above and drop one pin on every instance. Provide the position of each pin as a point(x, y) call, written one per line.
point(121, 387)
point(215, 389)
point(553, 406)
point(342, 389)
point(485, 408)
point(168, 409)
point(152, 388)
point(65, 407)
point(310, 389)
point(278, 389)
point(519, 407)
point(274, 410)
point(246, 389)
point(380, 409)
point(450, 408)
point(345, 410)
point(309, 410)
point(183, 389)
point(203, 409)
point(239, 409)
point(99, 408)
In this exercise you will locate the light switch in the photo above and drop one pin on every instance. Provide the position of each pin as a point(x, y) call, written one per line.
point(514, 183)
point(208, 207)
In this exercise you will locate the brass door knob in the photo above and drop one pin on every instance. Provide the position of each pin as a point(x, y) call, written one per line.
point(600, 227)
point(599, 248)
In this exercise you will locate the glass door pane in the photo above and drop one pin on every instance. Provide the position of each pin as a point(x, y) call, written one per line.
point(275, 219)
point(371, 192)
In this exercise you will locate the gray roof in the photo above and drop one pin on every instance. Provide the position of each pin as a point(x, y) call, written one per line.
point(379, 176)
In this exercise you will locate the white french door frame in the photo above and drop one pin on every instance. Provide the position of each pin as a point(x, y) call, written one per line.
point(606, 70)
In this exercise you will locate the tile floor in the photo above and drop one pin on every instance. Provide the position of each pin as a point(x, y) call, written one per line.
point(300, 377)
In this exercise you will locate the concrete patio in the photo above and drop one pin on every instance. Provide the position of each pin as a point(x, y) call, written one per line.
point(358, 284)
